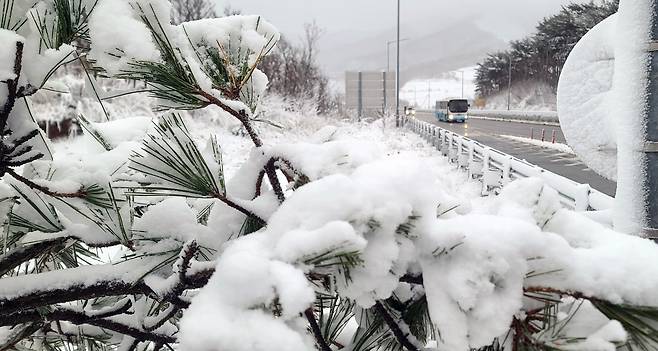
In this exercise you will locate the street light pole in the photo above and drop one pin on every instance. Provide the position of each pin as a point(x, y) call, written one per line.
point(397, 74)
point(388, 52)
point(388, 56)
point(509, 84)
point(462, 72)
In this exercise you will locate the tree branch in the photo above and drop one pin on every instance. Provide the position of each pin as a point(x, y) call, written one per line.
point(72, 293)
point(319, 339)
point(270, 170)
point(230, 203)
point(402, 337)
point(22, 254)
point(79, 318)
point(412, 279)
point(86, 292)
point(244, 119)
point(19, 334)
point(80, 194)
point(240, 115)
point(12, 87)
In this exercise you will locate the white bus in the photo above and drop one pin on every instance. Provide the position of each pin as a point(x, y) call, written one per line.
point(452, 110)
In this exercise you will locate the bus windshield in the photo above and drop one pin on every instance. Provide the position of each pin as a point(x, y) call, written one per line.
point(458, 106)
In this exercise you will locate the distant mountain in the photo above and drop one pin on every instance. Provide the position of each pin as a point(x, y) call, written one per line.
point(433, 49)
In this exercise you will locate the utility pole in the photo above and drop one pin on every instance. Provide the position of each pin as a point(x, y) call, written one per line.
point(509, 84)
point(397, 75)
point(462, 72)
point(651, 127)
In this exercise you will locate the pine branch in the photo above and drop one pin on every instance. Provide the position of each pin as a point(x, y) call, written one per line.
point(79, 318)
point(270, 169)
point(12, 86)
point(101, 288)
point(319, 339)
point(18, 334)
point(80, 194)
point(291, 173)
point(23, 254)
point(239, 115)
point(402, 337)
point(52, 296)
point(412, 279)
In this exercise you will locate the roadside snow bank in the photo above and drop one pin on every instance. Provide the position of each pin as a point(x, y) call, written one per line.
point(545, 144)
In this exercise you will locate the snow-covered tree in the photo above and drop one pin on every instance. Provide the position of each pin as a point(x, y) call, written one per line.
point(191, 10)
point(540, 56)
point(145, 244)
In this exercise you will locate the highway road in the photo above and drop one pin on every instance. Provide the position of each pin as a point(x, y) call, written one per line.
point(490, 133)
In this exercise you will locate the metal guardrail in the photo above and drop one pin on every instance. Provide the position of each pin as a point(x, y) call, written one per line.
point(546, 117)
point(495, 169)
point(527, 116)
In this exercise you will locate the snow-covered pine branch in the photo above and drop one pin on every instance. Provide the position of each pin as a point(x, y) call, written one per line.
point(145, 242)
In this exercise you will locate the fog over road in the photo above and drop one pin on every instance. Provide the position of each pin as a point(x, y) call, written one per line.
point(489, 132)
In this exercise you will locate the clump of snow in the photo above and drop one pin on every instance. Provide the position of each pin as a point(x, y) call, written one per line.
point(120, 38)
point(234, 33)
point(8, 41)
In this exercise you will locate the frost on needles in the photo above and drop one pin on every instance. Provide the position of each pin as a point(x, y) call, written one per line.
point(146, 243)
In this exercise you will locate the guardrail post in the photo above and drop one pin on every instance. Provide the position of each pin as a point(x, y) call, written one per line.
point(543, 135)
point(554, 138)
point(532, 133)
point(582, 197)
point(449, 148)
point(507, 170)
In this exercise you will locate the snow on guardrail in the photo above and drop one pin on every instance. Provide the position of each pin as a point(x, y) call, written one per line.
point(495, 169)
point(530, 116)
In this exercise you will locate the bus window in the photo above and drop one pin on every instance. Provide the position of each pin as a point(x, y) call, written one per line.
point(458, 106)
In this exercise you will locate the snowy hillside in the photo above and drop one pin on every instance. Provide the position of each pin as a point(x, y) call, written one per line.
point(424, 93)
point(429, 54)
point(526, 96)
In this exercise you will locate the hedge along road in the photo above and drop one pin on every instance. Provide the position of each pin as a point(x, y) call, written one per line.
point(490, 132)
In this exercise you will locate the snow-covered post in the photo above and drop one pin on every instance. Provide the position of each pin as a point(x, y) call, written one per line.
point(606, 122)
point(651, 128)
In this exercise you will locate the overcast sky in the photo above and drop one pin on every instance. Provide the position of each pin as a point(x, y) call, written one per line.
point(511, 19)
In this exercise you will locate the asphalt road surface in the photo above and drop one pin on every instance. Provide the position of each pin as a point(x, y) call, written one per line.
point(490, 133)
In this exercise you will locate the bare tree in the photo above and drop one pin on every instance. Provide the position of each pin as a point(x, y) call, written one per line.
point(295, 74)
point(190, 10)
point(230, 11)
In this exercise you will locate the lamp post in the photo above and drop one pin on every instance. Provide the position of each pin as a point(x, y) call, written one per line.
point(388, 52)
point(509, 84)
point(397, 74)
point(462, 72)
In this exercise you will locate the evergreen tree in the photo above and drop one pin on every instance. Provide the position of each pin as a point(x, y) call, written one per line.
point(331, 249)
point(541, 56)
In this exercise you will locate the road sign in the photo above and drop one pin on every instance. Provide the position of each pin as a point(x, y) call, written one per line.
point(370, 93)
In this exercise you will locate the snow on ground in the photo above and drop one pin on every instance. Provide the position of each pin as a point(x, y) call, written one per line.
point(425, 93)
point(301, 126)
point(526, 96)
point(545, 144)
point(490, 237)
